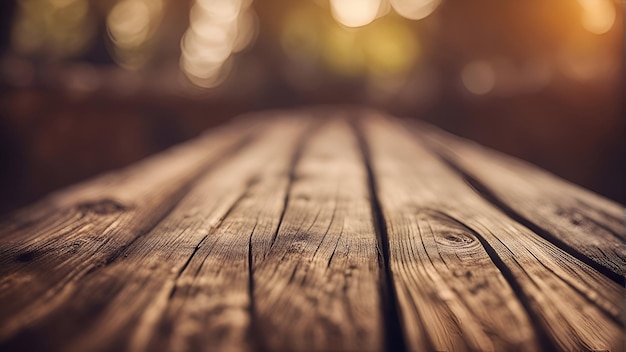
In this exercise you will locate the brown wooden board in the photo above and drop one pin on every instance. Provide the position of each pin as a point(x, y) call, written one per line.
point(48, 249)
point(316, 229)
point(586, 225)
point(317, 287)
point(571, 305)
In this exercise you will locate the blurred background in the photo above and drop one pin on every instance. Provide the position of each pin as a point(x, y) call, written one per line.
point(91, 85)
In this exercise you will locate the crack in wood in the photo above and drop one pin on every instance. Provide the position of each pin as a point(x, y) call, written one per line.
point(292, 176)
point(175, 201)
point(489, 196)
point(394, 335)
point(547, 344)
point(361, 235)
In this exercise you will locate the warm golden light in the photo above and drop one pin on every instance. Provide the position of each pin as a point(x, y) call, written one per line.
point(221, 10)
point(598, 16)
point(131, 25)
point(200, 68)
point(247, 30)
point(414, 9)
point(213, 45)
point(62, 3)
point(301, 37)
point(478, 77)
point(342, 51)
point(385, 48)
point(355, 13)
point(203, 75)
point(217, 29)
point(390, 47)
point(128, 23)
point(57, 28)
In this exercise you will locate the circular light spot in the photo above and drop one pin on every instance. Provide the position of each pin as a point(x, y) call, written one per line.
point(128, 23)
point(598, 16)
point(478, 77)
point(354, 13)
point(415, 9)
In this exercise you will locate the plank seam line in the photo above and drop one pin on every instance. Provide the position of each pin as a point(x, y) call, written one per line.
point(258, 339)
point(330, 224)
point(253, 328)
point(543, 338)
point(486, 194)
point(177, 198)
point(182, 269)
point(210, 232)
point(584, 295)
point(332, 255)
point(47, 202)
point(299, 149)
point(619, 236)
point(395, 340)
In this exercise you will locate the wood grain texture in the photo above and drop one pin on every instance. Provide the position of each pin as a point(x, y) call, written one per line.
point(317, 286)
point(551, 285)
point(586, 225)
point(119, 305)
point(316, 230)
point(76, 232)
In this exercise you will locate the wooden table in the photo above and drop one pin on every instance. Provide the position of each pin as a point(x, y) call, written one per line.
point(317, 229)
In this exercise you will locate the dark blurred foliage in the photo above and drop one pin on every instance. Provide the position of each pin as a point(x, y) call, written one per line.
point(529, 78)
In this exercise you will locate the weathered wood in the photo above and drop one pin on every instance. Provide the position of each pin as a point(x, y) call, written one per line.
point(119, 306)
point(580, 222)
point(576, 307)
point(317, 287)
point(74, 233)
point(317, 229)
point(209, 305)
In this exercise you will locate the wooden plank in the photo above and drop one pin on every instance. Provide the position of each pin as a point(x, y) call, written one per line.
point(428, 208)
point(317, 286)
point(210, 306)
point(152, 283)
point(86, 227)
point(118, 190)
point(279, 236)
point(586, 225)
point(452, 296)
point(199, 296)
point(142, 306)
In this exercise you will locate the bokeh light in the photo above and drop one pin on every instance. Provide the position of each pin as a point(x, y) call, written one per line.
point(354, 13)
point(131, 25)
point(478, 77)
point(384, 48)
point(247, 30)
point(128, 23)
point(490, 62)
point(391, 47)
point(217, 30)
point(52, 28)
point(598, 16)
point(415, 9)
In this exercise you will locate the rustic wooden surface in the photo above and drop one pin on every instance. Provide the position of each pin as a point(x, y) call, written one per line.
point(317, 229)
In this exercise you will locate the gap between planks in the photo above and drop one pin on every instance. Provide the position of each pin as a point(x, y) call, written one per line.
point(215, 208)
